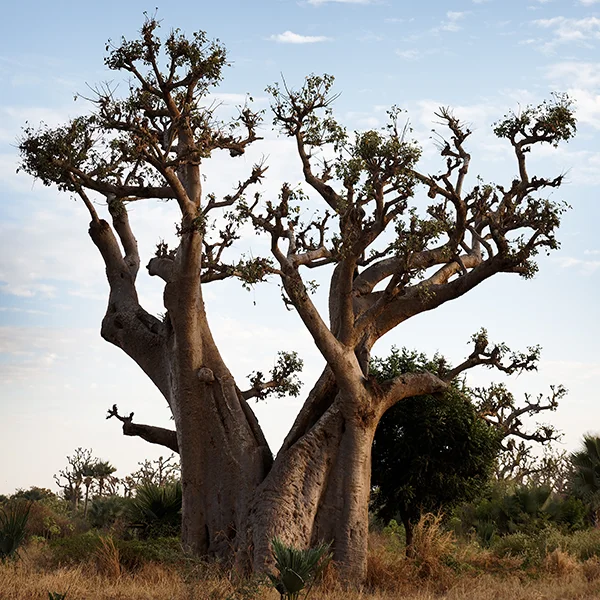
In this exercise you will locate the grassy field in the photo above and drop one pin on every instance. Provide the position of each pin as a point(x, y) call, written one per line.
point(443, 569)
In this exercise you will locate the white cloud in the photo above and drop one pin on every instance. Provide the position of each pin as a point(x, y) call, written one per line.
point(412, 54)
point(584, 267)
point(451, 24)
point(289, 37)
point(581, 80)
point(567, 30)
point(575, 74)
point(589, 2)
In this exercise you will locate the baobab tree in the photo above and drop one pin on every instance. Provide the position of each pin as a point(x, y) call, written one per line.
point(153, 143)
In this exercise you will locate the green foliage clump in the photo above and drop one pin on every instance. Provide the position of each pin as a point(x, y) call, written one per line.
point(525, 510)
point(106, 511)
point(47, 519)
point(430, 452)
point(133, 554)
point(156, 510)
point(74, 549)
point(585, 483)
point(297, 569)
point(13, 527)
point(85, 547)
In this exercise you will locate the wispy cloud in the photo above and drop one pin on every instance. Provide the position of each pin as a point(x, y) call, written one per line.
point(581, 81)
point(567, 30)
point(589, 2)
point(452, 21)
point(585, 75)
point(412, 54)
point(289, 37)
point(585, 267)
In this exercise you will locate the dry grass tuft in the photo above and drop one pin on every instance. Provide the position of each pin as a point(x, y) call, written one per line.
point(560, 563)
point(591, 568)
point(430, 542)
point(107, 557)
point(387, 568)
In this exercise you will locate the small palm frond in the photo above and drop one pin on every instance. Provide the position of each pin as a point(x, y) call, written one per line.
point(13, 523)
point(297, 568)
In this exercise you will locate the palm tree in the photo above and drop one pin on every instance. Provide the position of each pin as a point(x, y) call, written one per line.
point(88, 474)
point(102, 470)
point(586, 476)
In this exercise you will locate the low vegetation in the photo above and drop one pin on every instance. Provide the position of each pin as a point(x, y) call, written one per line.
point(515, 539)
point(95, 566)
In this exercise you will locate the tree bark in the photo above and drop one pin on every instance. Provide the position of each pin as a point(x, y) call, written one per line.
point(318, 489)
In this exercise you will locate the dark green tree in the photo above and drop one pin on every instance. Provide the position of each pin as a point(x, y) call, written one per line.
point(434, 451)
point(430, 452)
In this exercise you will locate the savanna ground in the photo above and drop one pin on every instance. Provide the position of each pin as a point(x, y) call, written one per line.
point(549, 565)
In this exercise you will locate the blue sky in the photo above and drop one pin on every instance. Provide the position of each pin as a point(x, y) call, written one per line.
point(482, 57)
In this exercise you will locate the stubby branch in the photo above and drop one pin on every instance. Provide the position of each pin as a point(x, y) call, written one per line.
point(154, 435)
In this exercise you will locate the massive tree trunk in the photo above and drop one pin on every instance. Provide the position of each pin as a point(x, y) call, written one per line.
point(224, 455)
point(318, 489)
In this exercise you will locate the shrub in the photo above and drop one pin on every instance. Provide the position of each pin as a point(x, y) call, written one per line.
point(297, 569)
point(103, 513)
point(156, 510)
point(72, 550)
point(135, 553)
point(46, 522)
point(13, 524)
point(584, 544)
point(515, 544)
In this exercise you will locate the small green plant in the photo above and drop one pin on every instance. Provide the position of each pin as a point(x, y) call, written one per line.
point(156, 510)
point(297, 569)
point(13, 524)
point(56, 596)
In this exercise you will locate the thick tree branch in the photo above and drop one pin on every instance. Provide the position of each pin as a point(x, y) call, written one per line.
point(154, 435)
point(407, 386)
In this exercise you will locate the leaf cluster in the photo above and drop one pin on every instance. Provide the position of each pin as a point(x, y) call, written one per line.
point(550, 122)
point(13, 524)
point(283, 379)
point(297, 569)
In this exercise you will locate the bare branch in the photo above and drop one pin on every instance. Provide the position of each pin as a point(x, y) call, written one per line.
point(154, 435)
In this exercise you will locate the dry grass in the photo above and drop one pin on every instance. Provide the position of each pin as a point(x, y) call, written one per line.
point(108, 558)
point(155, 582)
point(441, 570)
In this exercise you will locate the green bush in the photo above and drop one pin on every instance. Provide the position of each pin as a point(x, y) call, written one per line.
point(45, 521)
point(134, 553)
point(534, 547)
point(156, 510)
point(13, 527)
point(297, 569)
point(519, 545)
point(84, 547)
point(527, 510)
point(105, 512)
point(72, 550)
point(584, 544)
